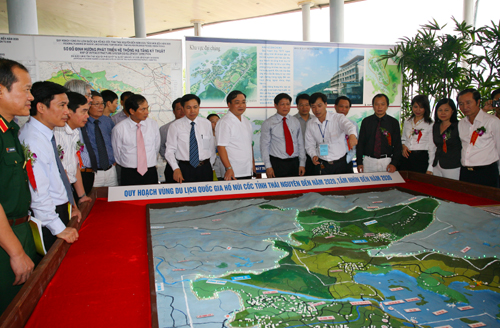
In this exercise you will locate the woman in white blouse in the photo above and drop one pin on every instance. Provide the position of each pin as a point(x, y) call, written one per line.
point(418, 146)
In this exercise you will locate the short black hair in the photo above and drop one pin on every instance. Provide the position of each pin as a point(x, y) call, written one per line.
point(75, 100)
point(423, 102)
point(108, 95)
point(44, 93)
point(189, 97)
point(133, 102)
point(379, 96)
point(212, 115)
point(343, 98)
point(176, 101)
point(314, 97)
point(95, 94)
point(475, 94)
point(304, 96)
point(7, 77)
point(280, 96)
point(125, 95)
point(442, 102)
point(233, 94)
point(494, 93)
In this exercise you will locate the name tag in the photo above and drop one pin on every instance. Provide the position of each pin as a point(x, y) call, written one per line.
point(11, 150)
point(323, 149)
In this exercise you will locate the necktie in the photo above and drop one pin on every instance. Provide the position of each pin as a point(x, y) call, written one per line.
point(194, 157)
point(142, 161)
point(378, 141)
point(101, 147)
point(90, 150)
point(288, 138)
point(62, 173)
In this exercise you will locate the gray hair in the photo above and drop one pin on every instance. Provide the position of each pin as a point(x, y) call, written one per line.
point(78, 86)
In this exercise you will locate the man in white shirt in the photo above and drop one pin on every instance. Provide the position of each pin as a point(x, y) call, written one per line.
point(281, 142)
point(49, 202)
point(342, 106)
point(190, 147)
point(480, 136)
point(178, 113)
point(136, 142)
point(234, 139)
point(325, 137)
point(68, 140)
point(304, 114)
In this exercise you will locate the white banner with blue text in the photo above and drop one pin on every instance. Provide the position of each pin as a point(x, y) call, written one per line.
point(257, 186)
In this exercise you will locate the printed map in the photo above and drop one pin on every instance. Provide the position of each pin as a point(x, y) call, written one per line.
point(152, 80)
point(382, 77)
point(213, 75)
point(379, 259)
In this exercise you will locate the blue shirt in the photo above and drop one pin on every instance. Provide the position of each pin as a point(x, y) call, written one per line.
point(106, 125)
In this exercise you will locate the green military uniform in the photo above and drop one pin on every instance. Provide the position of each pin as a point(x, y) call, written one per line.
point(15, 198)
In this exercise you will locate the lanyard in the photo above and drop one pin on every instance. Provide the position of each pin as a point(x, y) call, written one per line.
point(323, 132)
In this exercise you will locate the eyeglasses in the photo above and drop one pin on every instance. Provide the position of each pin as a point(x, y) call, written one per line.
point(97, 104)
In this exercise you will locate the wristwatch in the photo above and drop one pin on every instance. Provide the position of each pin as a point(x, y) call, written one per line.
point(229, 168)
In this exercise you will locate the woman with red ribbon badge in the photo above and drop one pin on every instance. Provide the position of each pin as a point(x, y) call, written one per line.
point(418, 148)
point(446, 140)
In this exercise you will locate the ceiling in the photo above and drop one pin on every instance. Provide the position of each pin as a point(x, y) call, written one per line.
point(115, 18)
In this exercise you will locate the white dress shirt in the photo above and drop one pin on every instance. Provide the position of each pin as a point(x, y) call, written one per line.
point(124, 140)
point(351, 153)
point(331, 132)
point(486, 150)
point(50, 190)
point(409, 138)
point(163, 138)
point(236, 136)
point(178, 137)
point(272, 139)
point(68, 138)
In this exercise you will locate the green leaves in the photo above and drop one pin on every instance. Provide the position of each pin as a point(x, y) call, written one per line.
point(438, 65)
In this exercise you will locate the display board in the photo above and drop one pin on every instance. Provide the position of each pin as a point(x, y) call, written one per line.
point(151, 67)
point(378, 259)
point(262, 69)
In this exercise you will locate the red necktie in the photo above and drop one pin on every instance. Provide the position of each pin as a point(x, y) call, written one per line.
point(288, 138)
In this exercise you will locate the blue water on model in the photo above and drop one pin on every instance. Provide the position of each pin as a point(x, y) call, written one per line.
point(484, 302)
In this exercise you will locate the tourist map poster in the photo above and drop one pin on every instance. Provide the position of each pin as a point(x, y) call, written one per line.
point(377, 259)
point(262, 69)
point(151, 67)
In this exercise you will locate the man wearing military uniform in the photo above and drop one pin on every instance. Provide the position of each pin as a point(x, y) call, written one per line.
point(17, 248)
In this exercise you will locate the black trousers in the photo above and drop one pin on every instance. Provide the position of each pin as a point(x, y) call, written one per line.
point(130, 177)
point(48, 238)
point(418, 161)
point(350, 167)
point(483, 175)
point(244, 178)
point(202, 172)
point(88, 181)
point(310, 169)
point(285, 167)
point(336, 167)
point(169, 174)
